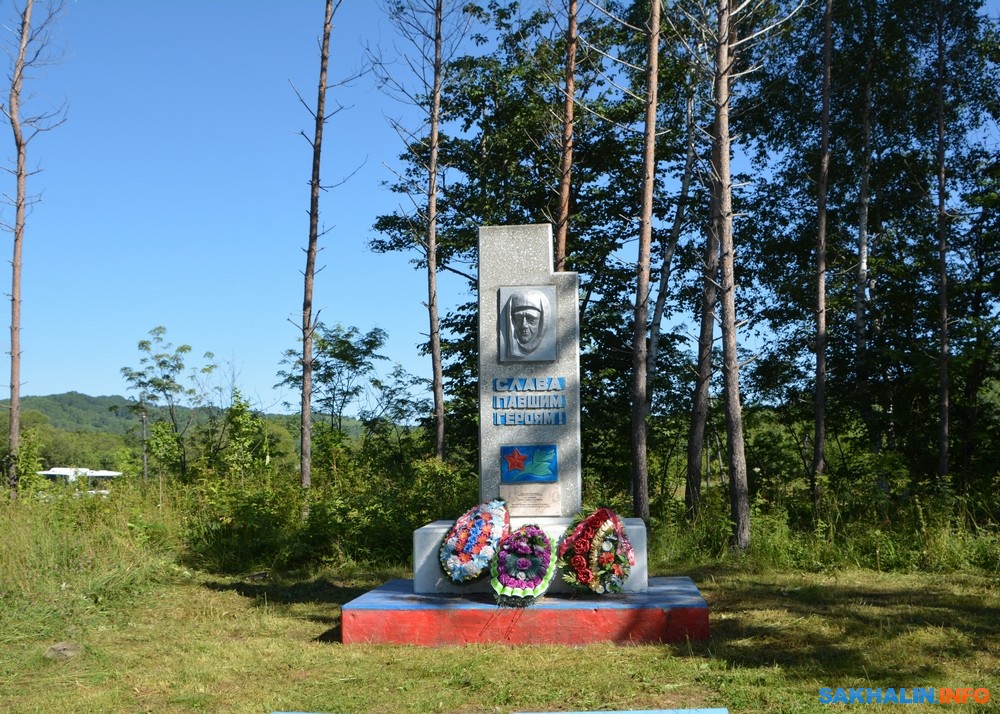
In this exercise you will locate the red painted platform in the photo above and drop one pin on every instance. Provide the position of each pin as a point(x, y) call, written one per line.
point(671, 610)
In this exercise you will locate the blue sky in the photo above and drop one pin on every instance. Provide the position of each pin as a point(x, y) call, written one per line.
point(176, 193)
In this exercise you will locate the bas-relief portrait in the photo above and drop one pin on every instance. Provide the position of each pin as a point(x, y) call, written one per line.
point(527, 324)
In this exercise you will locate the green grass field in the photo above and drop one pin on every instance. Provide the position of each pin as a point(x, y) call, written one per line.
point(201, 643)
point(147, 633)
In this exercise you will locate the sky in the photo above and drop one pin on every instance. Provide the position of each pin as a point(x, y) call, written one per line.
point(176, 193)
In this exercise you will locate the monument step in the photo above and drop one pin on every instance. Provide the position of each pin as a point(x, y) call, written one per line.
point(429, 578)
point(669, 610)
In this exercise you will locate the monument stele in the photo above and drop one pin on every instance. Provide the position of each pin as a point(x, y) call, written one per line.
point(529, 401)
point(529, 374)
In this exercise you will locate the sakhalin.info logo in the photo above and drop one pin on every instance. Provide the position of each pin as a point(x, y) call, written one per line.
point(904, 695)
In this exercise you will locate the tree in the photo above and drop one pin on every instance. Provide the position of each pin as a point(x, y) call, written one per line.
point(703, 369)
point(499, 168)
point(640, 472)
point(566, 165)
point(315, 186)
point(29, 52)
point(722, 200)
point(819, 438)
point(343, 363)
point(157, 382)
point(434, 33)
point(756, 21)
point(904, 257)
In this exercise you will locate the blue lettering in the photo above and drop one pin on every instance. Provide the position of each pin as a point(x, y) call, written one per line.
point(825, 695)
point(890, 696)
point(839, 697)
point(923, 695)
point(856, 696)
point(529, 384)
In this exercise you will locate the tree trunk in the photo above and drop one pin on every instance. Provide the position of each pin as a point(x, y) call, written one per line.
point(308, 326)
point(942, 232)
point(703, 370)
point(668, 252)
point(566, 168)
point(819, 438)
point(20, 206)
point(723, 189)
point(432, 191)
point(861, 355)
point(640, 471)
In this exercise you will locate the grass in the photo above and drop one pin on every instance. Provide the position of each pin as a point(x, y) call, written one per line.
point(157, 637)
point(270, 643)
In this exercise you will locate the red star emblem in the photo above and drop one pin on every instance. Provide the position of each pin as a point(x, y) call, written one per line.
point(515, 460)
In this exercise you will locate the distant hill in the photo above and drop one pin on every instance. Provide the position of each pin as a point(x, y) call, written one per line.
point(78, 412)
point(73, 411)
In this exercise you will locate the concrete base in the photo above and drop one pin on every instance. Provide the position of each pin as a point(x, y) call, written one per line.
point(429, 578)
point(670, 610)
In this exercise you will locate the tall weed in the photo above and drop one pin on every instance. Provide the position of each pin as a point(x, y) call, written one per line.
point(68, 557)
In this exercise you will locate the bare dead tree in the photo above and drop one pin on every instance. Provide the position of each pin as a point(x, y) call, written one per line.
point(30, 50)
point(433, 31)
point(308, 324)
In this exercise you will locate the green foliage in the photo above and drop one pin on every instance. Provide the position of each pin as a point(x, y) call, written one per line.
point(913, 537)
point(267, 521)
point(161, 380)
point(71, 558)
point(243, 524)
point(75, 412)
point(343, 364)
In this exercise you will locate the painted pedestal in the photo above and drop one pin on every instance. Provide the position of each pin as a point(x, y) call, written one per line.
point(670, 610)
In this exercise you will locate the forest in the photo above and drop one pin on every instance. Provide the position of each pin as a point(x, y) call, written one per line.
point(786, 221)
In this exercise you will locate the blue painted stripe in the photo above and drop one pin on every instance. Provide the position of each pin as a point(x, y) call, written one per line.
point(644, 711)
point(663, 593)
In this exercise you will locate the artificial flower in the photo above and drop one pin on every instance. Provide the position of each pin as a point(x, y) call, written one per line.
point(595, 554)
point(471, 543)
point(523, 567)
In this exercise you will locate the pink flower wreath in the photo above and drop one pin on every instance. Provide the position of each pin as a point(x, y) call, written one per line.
point(595, 555)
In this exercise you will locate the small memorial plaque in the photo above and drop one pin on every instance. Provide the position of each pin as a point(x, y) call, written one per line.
point(531, 499)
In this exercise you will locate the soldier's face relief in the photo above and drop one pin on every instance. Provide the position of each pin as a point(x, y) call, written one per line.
point(526, 323)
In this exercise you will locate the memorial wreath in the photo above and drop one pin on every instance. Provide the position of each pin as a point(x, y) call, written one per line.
point(523, 567)
point(471, 543)
point(595, 554)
